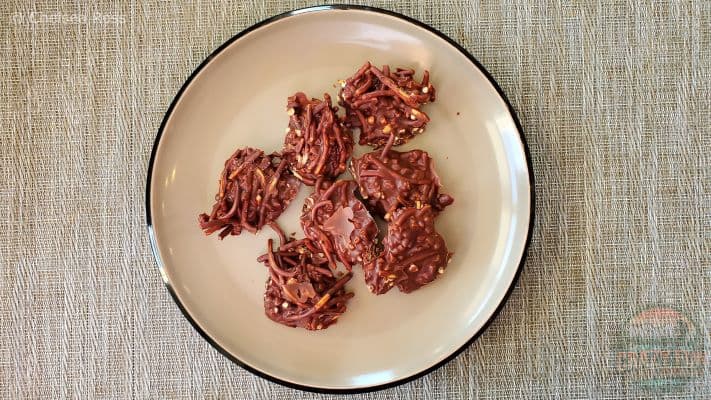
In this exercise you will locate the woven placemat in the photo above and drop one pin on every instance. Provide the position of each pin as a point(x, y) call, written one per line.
point(615, 101)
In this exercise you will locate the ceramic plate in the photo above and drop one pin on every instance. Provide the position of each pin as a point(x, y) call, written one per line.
point(237, 98)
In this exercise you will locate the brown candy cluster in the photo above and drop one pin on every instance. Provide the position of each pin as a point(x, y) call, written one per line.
point(335, 219)
point(391, 179)
point(304, 287)
point(413, 255)
point(383, 103)
point(301, 289)
point(316, 144)
point(254, 189)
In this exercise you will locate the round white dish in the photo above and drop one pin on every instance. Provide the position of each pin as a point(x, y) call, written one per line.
point(237, 98)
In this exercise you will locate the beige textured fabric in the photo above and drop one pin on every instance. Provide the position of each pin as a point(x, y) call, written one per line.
point(615, 100)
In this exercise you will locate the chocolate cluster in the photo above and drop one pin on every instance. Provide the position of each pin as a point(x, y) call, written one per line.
point(413, 255)
point(335, 219)
point(384, 103)
point(316, 144)
point(301, 290)
point(254, 189)
point(391, 179)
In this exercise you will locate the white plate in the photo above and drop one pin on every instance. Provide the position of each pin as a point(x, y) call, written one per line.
point(237, 98)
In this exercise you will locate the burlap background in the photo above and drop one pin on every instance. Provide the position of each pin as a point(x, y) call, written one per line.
point(614, 98)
